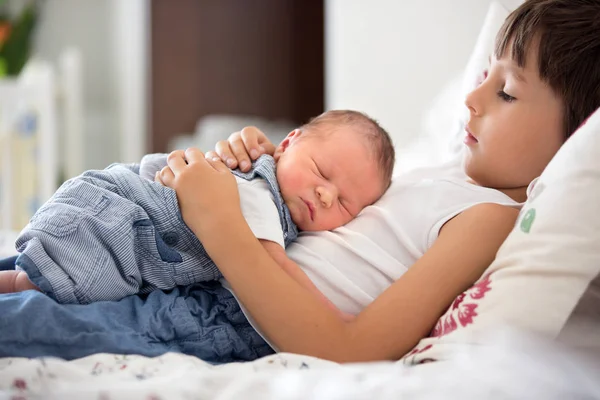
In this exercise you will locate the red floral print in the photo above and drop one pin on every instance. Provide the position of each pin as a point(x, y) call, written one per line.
point(462, 311)
point(20, 384)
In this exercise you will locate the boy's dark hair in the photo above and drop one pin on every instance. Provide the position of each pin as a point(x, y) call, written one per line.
point(568, 33)
point(377, 137)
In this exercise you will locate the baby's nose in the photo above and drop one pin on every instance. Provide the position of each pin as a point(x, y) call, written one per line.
point(325, 195)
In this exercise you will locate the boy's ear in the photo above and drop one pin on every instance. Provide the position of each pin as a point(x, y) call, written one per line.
point(285, 143)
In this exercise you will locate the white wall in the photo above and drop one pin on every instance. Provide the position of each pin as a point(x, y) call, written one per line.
point(386, 57)
point(131, 45)
point(87, 26)
point(390, 58)
point(112, 37)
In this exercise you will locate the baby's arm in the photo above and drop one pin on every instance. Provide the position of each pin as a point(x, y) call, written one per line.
point(291, 268)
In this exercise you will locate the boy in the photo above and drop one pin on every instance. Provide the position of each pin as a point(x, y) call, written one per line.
point(112, 233)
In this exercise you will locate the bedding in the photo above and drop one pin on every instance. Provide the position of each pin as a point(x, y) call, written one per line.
point(516, 366)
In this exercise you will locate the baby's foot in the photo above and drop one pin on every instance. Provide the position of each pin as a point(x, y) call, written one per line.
point(15, 281)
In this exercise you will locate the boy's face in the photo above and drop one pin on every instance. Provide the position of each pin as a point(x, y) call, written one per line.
point(515, 125)
point(326, 181)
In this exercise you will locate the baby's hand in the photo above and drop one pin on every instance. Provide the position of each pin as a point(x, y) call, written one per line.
point(241, 147)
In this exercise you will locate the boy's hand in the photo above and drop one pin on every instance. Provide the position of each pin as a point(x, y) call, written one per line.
point(206, 190)
point(241, 147)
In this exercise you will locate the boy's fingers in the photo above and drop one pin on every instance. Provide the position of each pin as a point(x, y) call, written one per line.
point(217, 164)
point(240, 154)
point(250, 139)
point(193, 155)
point(166, 176)
point(211, 155)
point(157, 178)
point(268, 147)
point(225, 153)
point(176, 160)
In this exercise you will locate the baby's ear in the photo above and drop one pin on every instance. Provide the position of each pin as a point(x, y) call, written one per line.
point(285, 143)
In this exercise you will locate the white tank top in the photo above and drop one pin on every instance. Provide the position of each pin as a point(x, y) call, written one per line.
point(354, 264)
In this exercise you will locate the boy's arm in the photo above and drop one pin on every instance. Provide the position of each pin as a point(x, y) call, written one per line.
point(292, 269)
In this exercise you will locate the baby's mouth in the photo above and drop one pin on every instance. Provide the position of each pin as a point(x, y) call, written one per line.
point(311, 209)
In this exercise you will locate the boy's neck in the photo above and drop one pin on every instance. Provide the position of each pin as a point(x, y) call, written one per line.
point(517, 194)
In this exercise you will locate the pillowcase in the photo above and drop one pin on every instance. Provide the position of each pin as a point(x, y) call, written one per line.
point(545, 279)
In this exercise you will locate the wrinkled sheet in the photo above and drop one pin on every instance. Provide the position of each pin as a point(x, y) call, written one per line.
point(514, 367)
point(507, 371)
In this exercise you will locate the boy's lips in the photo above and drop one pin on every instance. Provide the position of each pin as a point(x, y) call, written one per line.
point(469, 138)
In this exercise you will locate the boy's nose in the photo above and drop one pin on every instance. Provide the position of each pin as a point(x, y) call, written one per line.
point(325, 196)
point(473, 100)
point(470, 103)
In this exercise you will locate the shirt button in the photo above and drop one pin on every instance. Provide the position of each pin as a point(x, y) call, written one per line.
point(170, 238)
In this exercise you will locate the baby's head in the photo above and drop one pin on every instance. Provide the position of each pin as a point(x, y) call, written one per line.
point(543, 82)
point(334, 166)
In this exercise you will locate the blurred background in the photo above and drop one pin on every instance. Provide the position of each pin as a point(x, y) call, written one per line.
point(135, 76)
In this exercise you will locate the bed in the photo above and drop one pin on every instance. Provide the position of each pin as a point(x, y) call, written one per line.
point(513, 368)
point(471, 352)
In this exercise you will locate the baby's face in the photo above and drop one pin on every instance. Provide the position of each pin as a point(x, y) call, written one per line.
point(327, 181)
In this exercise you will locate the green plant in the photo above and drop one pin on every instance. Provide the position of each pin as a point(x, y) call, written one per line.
point(15, 37)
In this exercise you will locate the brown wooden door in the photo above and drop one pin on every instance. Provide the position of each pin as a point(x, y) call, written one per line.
point(251, 57)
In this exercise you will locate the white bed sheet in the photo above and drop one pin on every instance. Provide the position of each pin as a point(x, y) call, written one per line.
point(516, 367)
point(522, 369)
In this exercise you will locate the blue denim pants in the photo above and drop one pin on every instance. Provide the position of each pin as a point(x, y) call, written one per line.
point(203, 320)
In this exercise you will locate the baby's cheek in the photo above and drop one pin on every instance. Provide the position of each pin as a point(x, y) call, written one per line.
point(336, 218)
point(294, 180)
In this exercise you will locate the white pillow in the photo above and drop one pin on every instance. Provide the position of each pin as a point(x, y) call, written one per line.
point(477, 66)
point(445, 121)
point(546, 276)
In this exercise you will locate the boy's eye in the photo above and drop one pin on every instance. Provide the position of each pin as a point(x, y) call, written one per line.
point(505, 96)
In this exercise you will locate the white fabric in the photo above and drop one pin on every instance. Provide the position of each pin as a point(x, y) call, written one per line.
point(515, 367)
point(353, 264)
point(259, 210)
point(546, 276)
point(446, 117)
point(478, 63)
